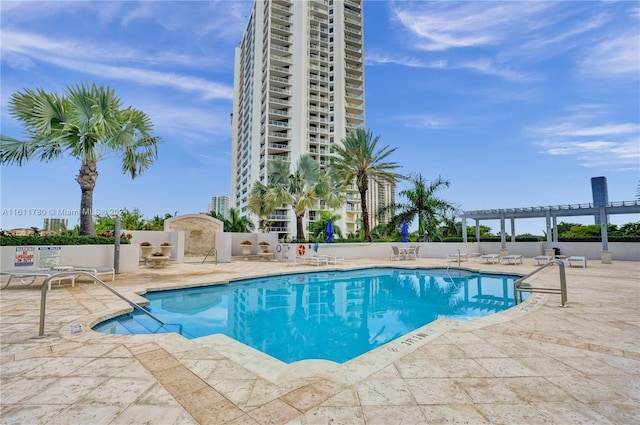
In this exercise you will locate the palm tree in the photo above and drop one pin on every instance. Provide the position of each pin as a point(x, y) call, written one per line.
point(87, 123)
point(301, 189)
point(260, 204)
point(358, 160)
point(235, 222)
point(423, 204)
point(318, 227)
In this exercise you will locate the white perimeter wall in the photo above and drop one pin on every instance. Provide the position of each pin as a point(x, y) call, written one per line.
point(228, 244)
point(624, 251)
point(81, 255)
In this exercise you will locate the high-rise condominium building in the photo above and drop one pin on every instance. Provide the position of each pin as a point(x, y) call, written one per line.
point(219, 204)
point(298, 89)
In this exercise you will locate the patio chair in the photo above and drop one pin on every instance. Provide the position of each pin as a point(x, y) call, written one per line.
point(95, 271)
point(395, 253)
point(413, 252)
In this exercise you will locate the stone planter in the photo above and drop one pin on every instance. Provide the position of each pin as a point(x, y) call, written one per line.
point(145, 251)
point(264, 248)
point(166, 250)
point(246, 251)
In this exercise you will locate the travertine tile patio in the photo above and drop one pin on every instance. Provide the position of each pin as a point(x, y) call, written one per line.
point(536, 363)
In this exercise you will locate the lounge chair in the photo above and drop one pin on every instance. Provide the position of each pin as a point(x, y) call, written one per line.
point(542, 259)
point(95, 271)
point(27, 277)
point(314, 259)
point(335, 258)
point(491, 258)
point(511, 259)
point(579, 260)
point(454, 257)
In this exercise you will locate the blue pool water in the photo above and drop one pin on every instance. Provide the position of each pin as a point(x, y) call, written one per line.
point(335, 315)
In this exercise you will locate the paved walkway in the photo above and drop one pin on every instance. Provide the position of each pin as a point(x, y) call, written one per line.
point(538, 363)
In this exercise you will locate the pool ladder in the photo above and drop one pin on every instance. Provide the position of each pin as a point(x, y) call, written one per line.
point(520, 286)
point(45, 285)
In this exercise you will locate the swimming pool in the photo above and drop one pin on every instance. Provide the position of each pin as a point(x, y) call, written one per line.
point(336, 315)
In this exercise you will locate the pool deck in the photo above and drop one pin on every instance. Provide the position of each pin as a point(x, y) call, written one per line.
point(535, 363)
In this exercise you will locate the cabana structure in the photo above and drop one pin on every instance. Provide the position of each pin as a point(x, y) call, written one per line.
point(551, 213)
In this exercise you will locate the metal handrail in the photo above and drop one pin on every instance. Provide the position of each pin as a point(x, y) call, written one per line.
point(45, 285)
point(520, 286)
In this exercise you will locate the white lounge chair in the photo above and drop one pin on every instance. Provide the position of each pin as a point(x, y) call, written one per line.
point(313, 259)
point(579, 260)
point(511, 259)
point(542, 259)
point(491, 258)
point(335, 258)
point(454, 257)
point(94, 270)
point(27, 277)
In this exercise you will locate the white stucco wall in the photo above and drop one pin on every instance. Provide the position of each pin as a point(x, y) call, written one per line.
point(81, 255)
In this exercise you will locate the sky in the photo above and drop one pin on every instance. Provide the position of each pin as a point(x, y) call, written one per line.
point(517, 104)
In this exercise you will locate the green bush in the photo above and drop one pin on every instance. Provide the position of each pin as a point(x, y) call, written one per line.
point(58, 240)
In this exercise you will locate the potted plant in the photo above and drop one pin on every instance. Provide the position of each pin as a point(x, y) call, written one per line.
point(246, 248)
point(264, 246)
point(166, 249)
point(145, 249)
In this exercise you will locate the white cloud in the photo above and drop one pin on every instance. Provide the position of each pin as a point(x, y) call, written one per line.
point(98, 61)
point(425, 121)
point(618, 56)
point(445, 25)
point(614, 146)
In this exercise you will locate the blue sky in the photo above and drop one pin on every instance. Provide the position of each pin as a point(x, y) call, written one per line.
point(516, 103)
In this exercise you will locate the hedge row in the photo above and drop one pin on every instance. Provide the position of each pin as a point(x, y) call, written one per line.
point(59, 240)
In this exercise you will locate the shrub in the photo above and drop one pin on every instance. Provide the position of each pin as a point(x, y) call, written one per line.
point(59, 240)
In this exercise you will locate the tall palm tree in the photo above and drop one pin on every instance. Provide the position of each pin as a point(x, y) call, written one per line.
point(260, 203)
point(87, 123)
point(300, 188)
point(358, 160)
point(423, 204)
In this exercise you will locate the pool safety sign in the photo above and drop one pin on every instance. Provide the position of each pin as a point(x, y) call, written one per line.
point(25, 256)
point(48, 256)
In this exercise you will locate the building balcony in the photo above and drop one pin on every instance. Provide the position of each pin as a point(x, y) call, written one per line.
point(355, 40)
point(280, 48)
point(319, 29)
point(279, 90)
point(278, 146)
point(282, 124)
point(353, 21)
point(278, 217)
point(280, 37)
point(280, 112)
point(283, 102)
point(284, 158)
point(282, 8)
point(278, 134)
point(281, 18)
point(352, 12)
point(281, 59)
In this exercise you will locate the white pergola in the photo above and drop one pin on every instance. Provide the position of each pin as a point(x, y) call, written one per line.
point(551, 213)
